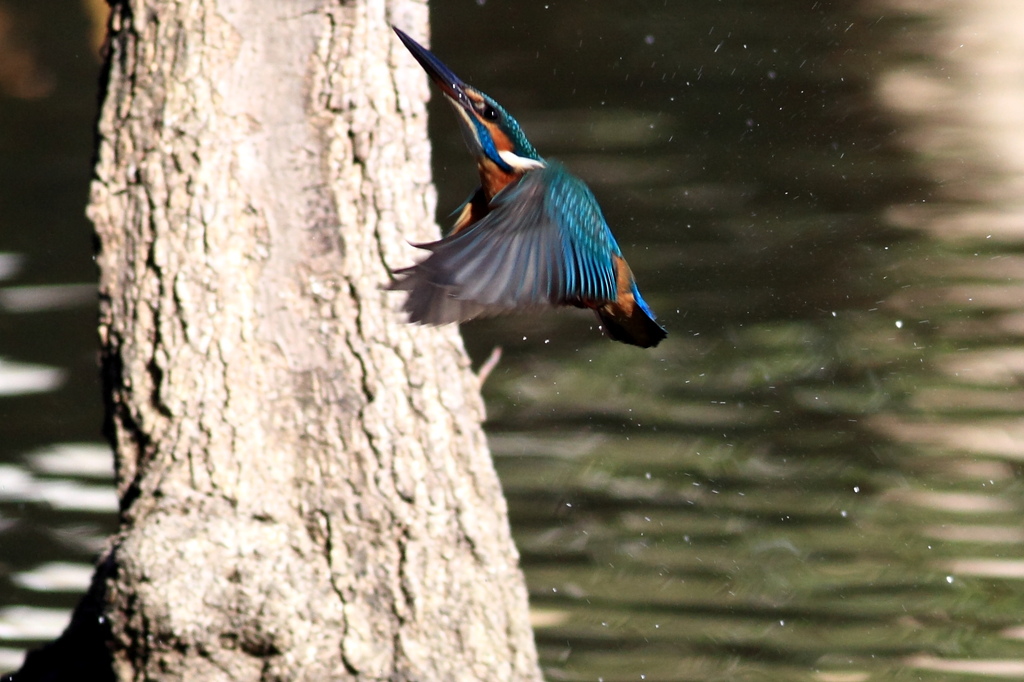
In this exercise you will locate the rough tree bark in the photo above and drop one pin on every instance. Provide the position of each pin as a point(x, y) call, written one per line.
point(306, 488)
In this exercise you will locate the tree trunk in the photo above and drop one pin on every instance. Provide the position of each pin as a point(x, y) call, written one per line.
point(306, 489)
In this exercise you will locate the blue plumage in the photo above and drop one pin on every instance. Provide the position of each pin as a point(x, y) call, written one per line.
point(531, 236)
point(543, 242)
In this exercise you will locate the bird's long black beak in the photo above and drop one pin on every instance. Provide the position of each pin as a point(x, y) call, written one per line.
point(450, 84)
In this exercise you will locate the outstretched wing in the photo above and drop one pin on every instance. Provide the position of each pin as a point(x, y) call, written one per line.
point(543, 242)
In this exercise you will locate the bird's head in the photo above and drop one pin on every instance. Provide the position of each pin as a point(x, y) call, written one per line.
point(490, 132)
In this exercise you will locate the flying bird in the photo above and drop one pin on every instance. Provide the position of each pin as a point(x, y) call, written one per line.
point(531, 236)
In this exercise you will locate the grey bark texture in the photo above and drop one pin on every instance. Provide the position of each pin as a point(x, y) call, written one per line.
point(306, 488)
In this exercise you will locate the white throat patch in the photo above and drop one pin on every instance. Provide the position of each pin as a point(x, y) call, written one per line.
point(520, 163)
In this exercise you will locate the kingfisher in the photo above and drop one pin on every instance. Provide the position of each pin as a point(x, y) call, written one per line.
point(531, 236)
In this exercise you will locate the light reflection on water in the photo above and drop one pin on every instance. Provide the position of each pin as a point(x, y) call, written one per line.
point(57, 505)
point(817, 476)
point(19, 378)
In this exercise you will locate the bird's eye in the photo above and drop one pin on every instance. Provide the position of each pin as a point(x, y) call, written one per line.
point(487, 111)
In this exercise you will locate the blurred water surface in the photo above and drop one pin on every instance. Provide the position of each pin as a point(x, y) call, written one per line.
point(816, 477)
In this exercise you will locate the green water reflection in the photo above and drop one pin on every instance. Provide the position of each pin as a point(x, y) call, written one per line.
point(817, 476)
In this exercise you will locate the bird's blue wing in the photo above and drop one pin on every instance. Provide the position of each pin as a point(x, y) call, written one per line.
point(543, 242)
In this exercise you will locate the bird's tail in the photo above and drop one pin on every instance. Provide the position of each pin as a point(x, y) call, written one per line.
point(631, 321)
